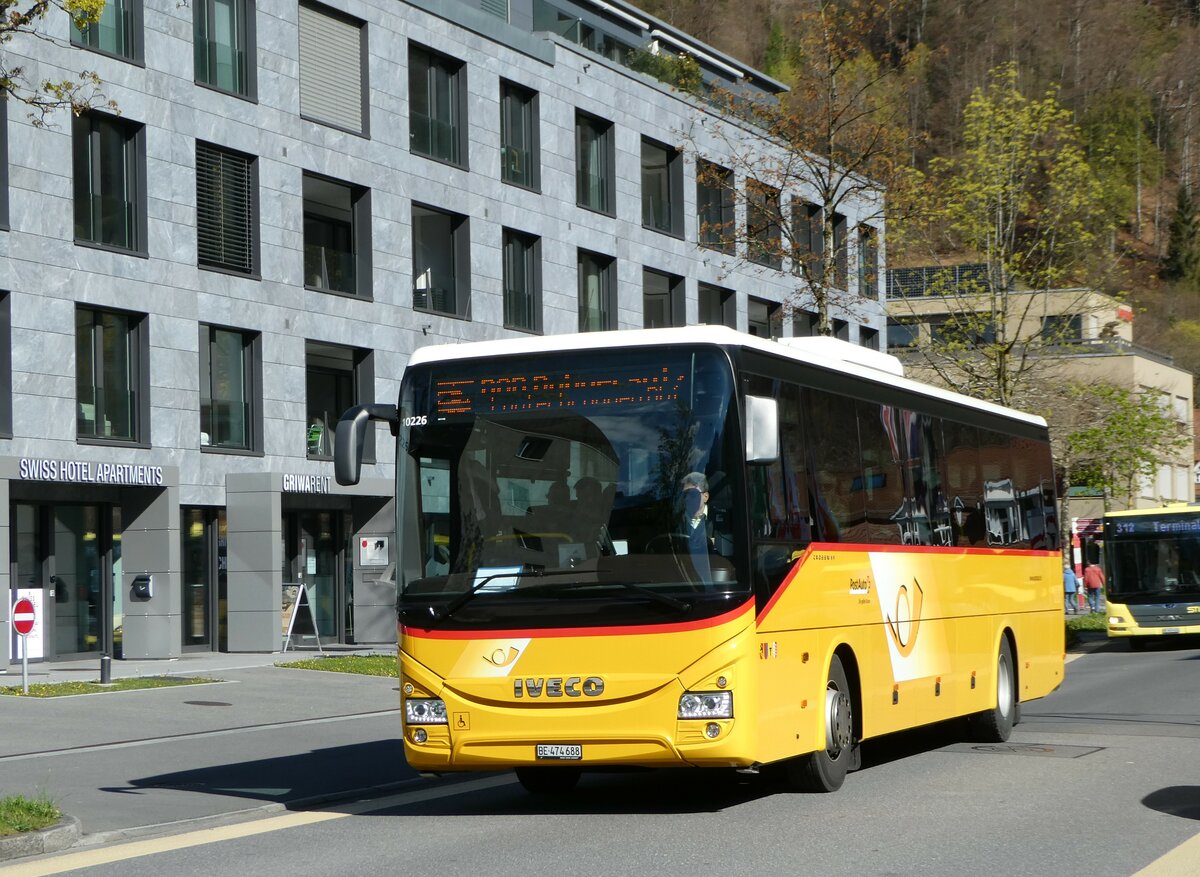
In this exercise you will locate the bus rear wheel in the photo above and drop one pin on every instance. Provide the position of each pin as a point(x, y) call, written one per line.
point(825, 771)
point(548, 780)
point(995, 725)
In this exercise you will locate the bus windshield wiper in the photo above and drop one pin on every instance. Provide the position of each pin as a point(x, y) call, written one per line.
point(462, 599)
point(664, 599)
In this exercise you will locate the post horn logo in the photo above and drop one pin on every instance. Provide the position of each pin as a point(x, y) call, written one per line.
point(499, 658)
point(904, 625)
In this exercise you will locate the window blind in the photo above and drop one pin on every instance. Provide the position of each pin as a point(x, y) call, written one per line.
point(331, 69)
point(224, 209)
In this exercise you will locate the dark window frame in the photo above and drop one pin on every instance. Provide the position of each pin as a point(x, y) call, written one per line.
point(774, 314)
point(716, 222)
point(868, 261)
point(726, 303)
point(4, 226)
point(364, 109)
point(527, 103)
point(674, 294)
point(202, 16)
point(88, 125)
point(253, 269)
point(424, 63)
point(252, 370)
point(607, 273)
point(764, 237)
point(362, 389)
point(460, 261)
point(6, 426)
point(133, 34)
point(602, 132)
point(672, 171)
point(137, 343)
point(360, 236)
point(531, 258)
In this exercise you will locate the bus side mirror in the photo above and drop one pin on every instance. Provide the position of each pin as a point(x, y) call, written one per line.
point(349, 437)
point(762, 430)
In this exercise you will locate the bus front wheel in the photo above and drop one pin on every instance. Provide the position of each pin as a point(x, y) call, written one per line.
point(548, 780)
point(996, 724)
point(825, 771)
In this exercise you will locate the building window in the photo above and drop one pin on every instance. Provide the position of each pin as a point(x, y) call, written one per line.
point(902, 334)
point(5, 364)
point(3, 164)
point(597, 292)
point(224, 44)
point(868, 337)
point(762, 318)
point(714, 206)
point(437, 94)
point(441, 261)
point(868, 262)
point(1062, 329)
point(841, 275)
point(841, 330)
point(805, 324)
point(110, 379)
point(762, 225)
point(110, 174)
point(335, 378)
point(718, 306)
point(230, 381)
point(226, 209)
point(595, 158)
point(333, 70)
point(522, 281)
point(117, 33)
point(662, 300)
point(337, 236)
point(519, 145)
point(662, 188)
point(808, 236)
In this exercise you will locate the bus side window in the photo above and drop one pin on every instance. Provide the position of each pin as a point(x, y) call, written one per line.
point(839, 510)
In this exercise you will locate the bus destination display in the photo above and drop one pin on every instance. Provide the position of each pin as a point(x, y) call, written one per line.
point(1139, 526)
point(539, 391)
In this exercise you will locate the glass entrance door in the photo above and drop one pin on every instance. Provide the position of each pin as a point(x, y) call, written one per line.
point(313, 554)
point(81, 560)
point(204, 538)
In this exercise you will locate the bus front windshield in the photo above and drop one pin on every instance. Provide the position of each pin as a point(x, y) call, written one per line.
point(1153, 558)
point(573, 488)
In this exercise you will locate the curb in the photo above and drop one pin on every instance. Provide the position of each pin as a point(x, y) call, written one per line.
point(56, 838)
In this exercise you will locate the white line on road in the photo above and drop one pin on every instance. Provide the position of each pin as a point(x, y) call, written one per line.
point(137, 849)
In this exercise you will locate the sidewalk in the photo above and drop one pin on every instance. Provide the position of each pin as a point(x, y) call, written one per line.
point(137, 763)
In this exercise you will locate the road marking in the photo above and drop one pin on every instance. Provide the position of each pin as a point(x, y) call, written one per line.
point(1180, 862)
point(194, 735)
point(137, 849)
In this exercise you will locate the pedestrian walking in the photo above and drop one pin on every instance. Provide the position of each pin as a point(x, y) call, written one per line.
point(1070, 586)
point(1093, 583)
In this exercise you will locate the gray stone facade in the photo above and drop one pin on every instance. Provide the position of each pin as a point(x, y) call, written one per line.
point(47, 275)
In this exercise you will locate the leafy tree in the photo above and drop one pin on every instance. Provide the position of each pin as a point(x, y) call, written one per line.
point(1020, 199)
point(842, 142)
point(24, 17)
point(1111, 438)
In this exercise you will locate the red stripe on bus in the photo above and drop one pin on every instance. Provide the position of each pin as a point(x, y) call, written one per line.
point(550, 632)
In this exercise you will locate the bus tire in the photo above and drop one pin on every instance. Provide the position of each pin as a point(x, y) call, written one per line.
point(995, 725)
point(548, 780)
point(826, 770)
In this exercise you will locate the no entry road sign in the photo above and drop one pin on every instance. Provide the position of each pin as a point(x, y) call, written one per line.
point(23, 616)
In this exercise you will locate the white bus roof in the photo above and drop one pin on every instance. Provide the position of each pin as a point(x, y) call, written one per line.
point(824, 352)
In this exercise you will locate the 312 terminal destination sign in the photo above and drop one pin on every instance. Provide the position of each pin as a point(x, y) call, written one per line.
point(1173, 526)
point(556, 390)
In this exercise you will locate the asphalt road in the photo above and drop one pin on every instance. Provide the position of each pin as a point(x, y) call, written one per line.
point(1101, 778)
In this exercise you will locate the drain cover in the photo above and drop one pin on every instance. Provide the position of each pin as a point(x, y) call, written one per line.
point(207, 703)
point(1046, 750)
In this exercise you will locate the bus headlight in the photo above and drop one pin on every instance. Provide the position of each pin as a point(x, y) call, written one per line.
point(425, 711)
point(1115, 619)
point(706, 705)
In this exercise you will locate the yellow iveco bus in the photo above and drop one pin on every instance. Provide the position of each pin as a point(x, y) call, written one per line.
point(1153, 572)
point(694, 547)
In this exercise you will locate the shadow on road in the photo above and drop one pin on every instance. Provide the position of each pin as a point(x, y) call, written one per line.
point(1176, 801)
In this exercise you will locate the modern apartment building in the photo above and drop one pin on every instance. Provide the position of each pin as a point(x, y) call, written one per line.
point(292, 198)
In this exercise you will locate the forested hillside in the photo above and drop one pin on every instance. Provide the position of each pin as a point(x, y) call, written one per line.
point(1126, 71)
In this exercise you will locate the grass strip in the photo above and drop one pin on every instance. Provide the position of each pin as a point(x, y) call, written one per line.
point(63, 689)
point(364, 665)
point(20, 814)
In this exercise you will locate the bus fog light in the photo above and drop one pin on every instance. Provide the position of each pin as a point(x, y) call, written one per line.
point(425, 711)
point(712, 730)
point(420, 735)
point(706, 705)
point(1115, 619)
